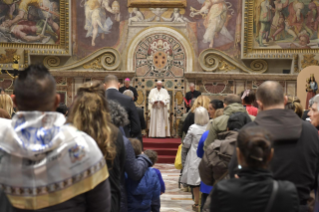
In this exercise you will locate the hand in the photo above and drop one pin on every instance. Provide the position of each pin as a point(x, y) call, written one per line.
point(236, 176)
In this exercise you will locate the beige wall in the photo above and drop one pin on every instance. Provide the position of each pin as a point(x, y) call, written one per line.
point(301, 82)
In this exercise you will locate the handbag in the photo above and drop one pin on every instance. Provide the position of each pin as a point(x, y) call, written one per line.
point(178, 158)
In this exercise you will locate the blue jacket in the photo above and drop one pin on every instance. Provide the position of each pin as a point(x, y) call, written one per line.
point(200, 152)
point(140, 194)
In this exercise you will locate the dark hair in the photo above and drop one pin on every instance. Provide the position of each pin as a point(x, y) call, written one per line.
point(136, 146)
point(237, 120)
point(217, 104)
point(294, 105)
point(62, 108)
point(250, 98)
point(152, 155)
point(255, 144)
point(110, 78)
point(1, 89)
point(231, 99)
point(35, 89)
point(270, 93)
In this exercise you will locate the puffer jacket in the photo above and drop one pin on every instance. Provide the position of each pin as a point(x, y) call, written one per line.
point(217, 156)
point(220, 123)
point(140, 194)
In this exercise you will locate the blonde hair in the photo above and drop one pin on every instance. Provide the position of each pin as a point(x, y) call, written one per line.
point(293, 103)
point(201, 116)
point(201, 101)
point(6, 104)
point(89, 114)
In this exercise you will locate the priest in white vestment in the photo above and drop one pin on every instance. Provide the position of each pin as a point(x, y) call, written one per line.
point(159, 101)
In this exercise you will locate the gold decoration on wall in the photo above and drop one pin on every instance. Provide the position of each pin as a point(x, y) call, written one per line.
point(309, 60)
point(140, 98)
point(8, 56)
point(104, 59)
point(211, 60)
point(179, 97)
point(296, 64)
point(156, 3)
point(52, 61)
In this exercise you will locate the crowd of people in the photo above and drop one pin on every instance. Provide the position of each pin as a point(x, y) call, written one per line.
point(257, 151)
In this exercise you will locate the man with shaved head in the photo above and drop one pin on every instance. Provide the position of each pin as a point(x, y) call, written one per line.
point(191, 95)
point(296, 143)
point(159, 100)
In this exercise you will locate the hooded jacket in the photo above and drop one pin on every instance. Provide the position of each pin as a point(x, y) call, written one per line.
point(140, 194)
point(296, 149)
point(220, 123)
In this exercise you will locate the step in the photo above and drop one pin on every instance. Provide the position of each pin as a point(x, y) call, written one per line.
point(164, 151)
point(166, 159)
point(160, 144)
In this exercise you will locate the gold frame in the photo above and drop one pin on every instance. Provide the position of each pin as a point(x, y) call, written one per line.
point(248, 50)
point(156, 3)
point(53, 49)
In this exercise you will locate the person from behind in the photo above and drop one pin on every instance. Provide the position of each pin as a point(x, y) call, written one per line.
point(6, 104)
point(190, 174)
point(127, 86)
point(294, 105)
point(142, 193)
point(47, 151)
point(295, 142)
point(63, 109)
point(156, 204)
point(214, 165)
point(248, 98)
point(256, 189)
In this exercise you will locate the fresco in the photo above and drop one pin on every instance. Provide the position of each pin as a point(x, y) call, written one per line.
point(104, 23)
point(286, 24)
point(30, 21)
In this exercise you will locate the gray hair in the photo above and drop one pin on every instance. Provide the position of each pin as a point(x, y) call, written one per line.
point(201, 116)
point(191, 84)
point(129, 93)
point(311, 102)
point(118, 114)
point(315, 99)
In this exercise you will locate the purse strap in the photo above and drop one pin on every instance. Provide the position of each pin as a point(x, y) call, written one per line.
point(272, 197)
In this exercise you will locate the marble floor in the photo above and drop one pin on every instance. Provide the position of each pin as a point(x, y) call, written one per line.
point(174, 199)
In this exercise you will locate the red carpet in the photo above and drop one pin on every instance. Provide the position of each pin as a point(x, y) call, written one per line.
point(166, 148)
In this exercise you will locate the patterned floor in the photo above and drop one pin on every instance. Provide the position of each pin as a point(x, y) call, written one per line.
point(174, 200)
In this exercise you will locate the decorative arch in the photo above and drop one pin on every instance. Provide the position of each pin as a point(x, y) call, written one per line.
point(178, 36)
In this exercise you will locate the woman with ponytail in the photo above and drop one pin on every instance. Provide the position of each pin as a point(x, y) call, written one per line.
point(254, 189)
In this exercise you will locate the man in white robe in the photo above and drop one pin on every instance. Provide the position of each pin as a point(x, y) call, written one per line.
point(159, 100)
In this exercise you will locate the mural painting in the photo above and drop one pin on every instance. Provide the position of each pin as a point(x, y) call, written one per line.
point(286, 24)
point(30, 21)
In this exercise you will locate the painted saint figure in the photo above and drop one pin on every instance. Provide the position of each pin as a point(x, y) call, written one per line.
point(313, 17)
point(96, 21)
point(263, 18)
point(278, 21)
point(159, 100)
point(311, 88)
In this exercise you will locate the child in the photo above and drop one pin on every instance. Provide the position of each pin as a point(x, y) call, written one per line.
point(152, 155)
point(141, 194)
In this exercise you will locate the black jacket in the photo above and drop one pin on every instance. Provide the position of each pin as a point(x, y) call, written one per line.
point(122, 89)
point(190, 120)
point(190, 95)
point(140, 112)
point(5, 205)
point(133, 129)
point(251, 193)
point(95, 200)
point(296, 147)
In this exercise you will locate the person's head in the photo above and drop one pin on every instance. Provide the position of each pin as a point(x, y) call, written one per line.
point(304, 40)
point(118, 114)
point(271, 95)
point(152, 155)
point(312, 78)
point(159, 85)
point(89, 114)
point(213, 106)
point(35, 89)
point(314, 111)
point(6, 103)
point(310, 103)
point(62, 108)
point(111, 81)
point(129, 93)
point(254, 147)
point(231, 99)
point(136, 146)
point(294, 105)
point(201, 116)
point(33, 14)
point(237, 120)
point(4, 28)
point(192, 102)
point(248, 97)
point(2, 91)
point(201, 101)
point(219, 112)
point(191, 87)
point(127, 82)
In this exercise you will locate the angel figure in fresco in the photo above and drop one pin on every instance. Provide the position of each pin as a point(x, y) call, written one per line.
point(216, 12)
point(278, 21)
point(176, 17)
point(96, 21)
point(311, 88)
point(138, 16)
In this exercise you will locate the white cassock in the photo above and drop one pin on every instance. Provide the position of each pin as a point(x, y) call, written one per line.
point(159, 124)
